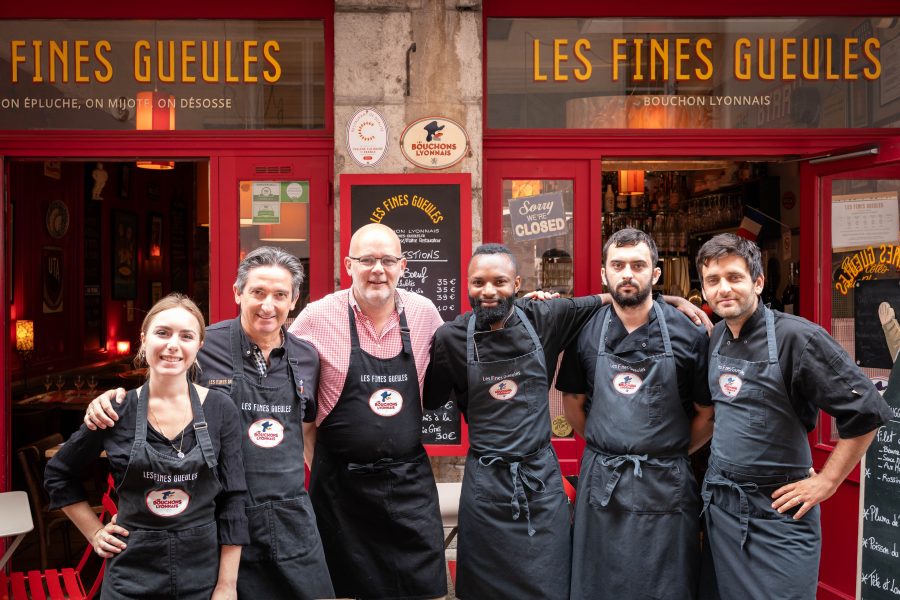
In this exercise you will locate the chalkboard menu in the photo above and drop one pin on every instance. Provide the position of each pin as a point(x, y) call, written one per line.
point(428, 213)
point(879, 552)
point(871, 347)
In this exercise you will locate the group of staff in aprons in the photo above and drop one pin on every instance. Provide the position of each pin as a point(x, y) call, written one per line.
point(374, 493)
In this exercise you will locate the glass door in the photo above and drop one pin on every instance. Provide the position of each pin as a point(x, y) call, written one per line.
point(542, 211)
point(279, 201)
point(851, 207)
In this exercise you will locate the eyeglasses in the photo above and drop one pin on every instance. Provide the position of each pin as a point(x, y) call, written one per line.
point(387, 261)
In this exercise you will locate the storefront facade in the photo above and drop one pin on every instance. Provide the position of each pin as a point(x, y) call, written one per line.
point(555, 99)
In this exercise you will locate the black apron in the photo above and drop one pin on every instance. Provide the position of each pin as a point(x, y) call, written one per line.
point(284, 558)
point(758, 445)
point(372, 484)
point(514, 519)
point(637, 514)
point(168, 506)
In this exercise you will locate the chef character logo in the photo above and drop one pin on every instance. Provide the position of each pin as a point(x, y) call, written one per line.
point(627, 383)
point(434, 131)
point(504, 390)
point(266, 433)
point(386, 402)
point(730, 384)
point(167, 503)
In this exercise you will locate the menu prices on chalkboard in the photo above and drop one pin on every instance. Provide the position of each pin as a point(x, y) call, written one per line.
point(426, 218)
point(879, 552)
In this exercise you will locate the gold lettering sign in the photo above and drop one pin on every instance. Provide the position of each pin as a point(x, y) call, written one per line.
point(865, 265)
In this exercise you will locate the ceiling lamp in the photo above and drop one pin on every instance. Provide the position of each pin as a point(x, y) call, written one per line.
point(155, 112)
point(631, 182)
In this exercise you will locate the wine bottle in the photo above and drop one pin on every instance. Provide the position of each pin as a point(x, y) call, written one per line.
point(791, 296)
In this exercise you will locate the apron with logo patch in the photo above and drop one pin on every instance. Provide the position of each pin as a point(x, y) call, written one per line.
point(514, 518)
point(284, 558)
point(372, 485)
point(637, 522)
point(168, 506)
point(758, 445)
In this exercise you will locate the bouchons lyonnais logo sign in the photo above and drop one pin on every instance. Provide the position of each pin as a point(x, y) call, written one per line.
point(386, 402)
point(627, 383)
point(167, 503)
point(504, 390)
point(266, 433)
point(434, 143)
point(730, 384)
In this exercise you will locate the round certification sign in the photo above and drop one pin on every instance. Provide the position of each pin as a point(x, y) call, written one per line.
point(504, 390)
point(627, 383)
point(167, 503)
point(386, 402)
point(367, 135)
point(730, 384)
point(266, 433)
point(434, 143)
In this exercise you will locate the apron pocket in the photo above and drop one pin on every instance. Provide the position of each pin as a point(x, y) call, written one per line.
point(260, 546)
point(294, 528)
point(654, 404)
point(601, 476)
point(757, 408)
point(410, 495)
point(143, 568)
point(197, 559)
point(492, 483)
point(658, 491)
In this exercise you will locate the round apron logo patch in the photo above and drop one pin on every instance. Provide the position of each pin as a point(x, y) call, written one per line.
point(266, 433)
point(386, 402)
point(168, 503)
point(730, 384)
point(627, 383)
point(504, 390)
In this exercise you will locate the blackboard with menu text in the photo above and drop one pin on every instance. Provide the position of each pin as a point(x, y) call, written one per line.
point(431, 215)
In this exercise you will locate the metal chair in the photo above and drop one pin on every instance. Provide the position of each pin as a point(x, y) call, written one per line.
point(60, 584)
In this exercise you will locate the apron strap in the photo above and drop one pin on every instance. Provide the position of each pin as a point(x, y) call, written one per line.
point(470, 334)
point(140, 424)
point(521, 478)
point(770, 336)
point(237, 361)
point(717, 479)
point(664, 329)
point(201, 430)
point(404, 332)
point(618, 463)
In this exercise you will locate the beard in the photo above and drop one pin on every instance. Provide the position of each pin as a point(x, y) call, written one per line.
point(630, 300)
point(485, 317)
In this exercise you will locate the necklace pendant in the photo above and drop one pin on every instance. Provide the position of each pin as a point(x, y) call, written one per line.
point(180, 454)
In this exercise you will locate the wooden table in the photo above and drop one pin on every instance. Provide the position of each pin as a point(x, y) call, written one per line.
point(15, 519)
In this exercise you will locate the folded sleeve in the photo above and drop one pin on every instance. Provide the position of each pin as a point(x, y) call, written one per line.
point(230, 515)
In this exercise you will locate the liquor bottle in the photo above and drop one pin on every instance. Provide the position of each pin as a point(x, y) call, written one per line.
point(770, 288)
point(791, 296)
point(609, 199)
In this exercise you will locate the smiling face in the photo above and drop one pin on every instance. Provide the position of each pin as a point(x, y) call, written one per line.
point(265, 302)
point(493, 284)
point(374, 287)
point(729, 288)
point(171, 342)
point(629, 274)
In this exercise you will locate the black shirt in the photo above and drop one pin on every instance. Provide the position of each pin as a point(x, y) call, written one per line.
point(689, 344)
point(556, 323)
point(64, 473)
point(818, 373)
point(216, 367)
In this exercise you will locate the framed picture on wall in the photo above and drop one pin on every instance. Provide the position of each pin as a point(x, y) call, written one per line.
point(124, 255)
point(52, 279)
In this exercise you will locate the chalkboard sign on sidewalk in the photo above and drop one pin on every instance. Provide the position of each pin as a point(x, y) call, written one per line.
point(432, 216)
point(879, 546)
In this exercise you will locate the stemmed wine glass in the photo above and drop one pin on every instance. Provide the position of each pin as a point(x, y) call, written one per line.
point(60, 382)
point(78, 381)
point(48, 383)
point(92, 384)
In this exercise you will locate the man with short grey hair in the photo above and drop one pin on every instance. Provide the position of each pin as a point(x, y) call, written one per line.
point(272, 378)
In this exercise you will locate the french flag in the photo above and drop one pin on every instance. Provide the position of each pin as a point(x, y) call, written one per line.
point(752, 223)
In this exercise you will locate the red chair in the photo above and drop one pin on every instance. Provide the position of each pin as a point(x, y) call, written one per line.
point(60, 584)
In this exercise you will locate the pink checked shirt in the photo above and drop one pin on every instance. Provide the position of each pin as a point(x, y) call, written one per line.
point(326, 325)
